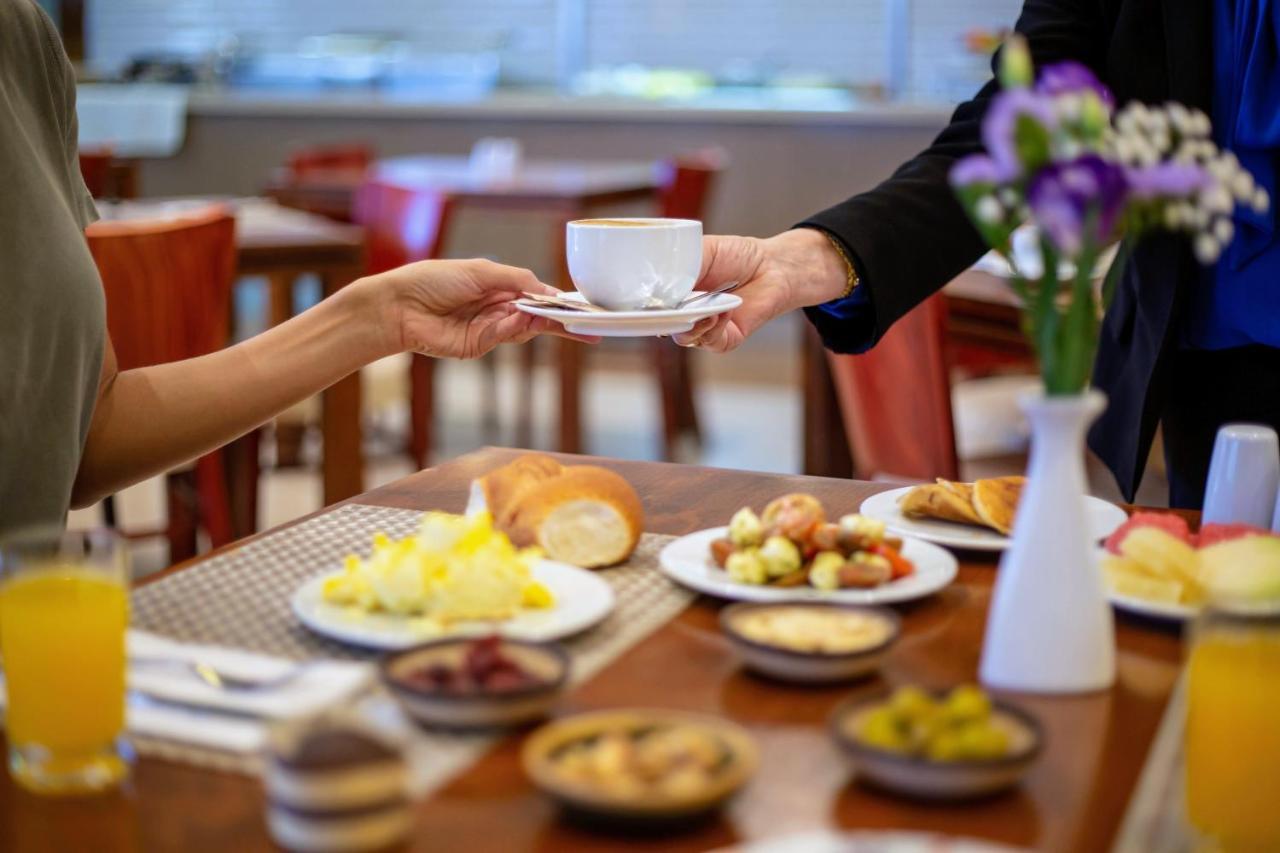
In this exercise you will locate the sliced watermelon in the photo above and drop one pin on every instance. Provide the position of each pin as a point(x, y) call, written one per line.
point(1174, 525)
point(1211, 534)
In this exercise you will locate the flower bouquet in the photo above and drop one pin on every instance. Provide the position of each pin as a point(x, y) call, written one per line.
point(1061, 159)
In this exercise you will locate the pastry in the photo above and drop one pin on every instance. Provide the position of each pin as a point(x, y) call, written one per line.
point(586, 516)
point(582, 515)
point(334, 786)
point(996, 501)
point(989, 503)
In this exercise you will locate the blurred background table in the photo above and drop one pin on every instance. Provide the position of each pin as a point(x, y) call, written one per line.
point(563, 189)
point(1073, 799)
point(282, 244)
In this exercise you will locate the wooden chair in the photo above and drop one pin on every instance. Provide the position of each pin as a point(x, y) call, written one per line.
point(896, 400)
point(402, 225)
point(95, 166)
point(318, 178)
point(688, 182)
point(168, 291)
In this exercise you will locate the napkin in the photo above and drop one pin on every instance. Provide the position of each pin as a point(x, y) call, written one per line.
point(167, 703)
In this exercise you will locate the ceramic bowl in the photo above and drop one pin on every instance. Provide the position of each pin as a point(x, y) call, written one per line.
point(739, 763)
point(808, 667)
point(484, 708)
point(924, 779)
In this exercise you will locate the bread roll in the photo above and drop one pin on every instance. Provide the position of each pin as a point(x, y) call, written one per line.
point(504, 488)
point(585, 516)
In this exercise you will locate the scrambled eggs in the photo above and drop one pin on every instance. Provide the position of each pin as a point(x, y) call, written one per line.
point(455, 568)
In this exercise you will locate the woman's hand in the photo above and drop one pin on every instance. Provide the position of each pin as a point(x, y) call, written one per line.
point(780, 274)
point(454, 309)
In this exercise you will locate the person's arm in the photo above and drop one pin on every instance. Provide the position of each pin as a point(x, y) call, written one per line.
point(906, 238)
point(152, 419)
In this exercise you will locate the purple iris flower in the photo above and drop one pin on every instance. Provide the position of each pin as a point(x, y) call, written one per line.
point(1064, 78)
point(977, 169)
point(1166, 180)
point(1062, 196)
point(1002, 118)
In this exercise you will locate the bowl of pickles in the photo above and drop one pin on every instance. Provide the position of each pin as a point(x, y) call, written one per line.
point(949, 745)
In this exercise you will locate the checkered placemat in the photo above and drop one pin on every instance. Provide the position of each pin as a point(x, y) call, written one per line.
point(241, 599)
point(1155, 821)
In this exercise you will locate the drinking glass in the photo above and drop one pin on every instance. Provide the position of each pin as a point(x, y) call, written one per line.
point(1233, 735)
point(63, 612)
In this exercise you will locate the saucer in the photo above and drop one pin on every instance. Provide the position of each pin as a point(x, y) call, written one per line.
point(633, 324)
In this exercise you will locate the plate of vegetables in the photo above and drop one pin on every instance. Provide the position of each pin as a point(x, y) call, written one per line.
point(792, 551)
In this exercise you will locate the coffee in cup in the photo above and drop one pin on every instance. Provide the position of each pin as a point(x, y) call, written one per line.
point(626, 264)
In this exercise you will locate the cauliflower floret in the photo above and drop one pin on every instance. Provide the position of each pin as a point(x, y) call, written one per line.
point(825, 572)
point(745, 528)
point(781, 556)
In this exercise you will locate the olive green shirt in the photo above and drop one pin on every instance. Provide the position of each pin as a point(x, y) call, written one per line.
point(52, 311)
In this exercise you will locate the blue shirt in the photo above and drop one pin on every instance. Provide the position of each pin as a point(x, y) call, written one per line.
point(1237, 300)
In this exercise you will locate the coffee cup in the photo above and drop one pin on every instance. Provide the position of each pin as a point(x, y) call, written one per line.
point(634, 263)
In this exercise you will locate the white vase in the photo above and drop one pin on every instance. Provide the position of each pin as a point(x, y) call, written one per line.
point(1050, 628)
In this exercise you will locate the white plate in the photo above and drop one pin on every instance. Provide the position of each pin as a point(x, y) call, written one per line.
point(634, 324)
point(582, 600)
point(688, 562)
point(1104, 518)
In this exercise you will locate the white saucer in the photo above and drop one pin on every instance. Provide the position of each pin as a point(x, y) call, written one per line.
point(633, 324)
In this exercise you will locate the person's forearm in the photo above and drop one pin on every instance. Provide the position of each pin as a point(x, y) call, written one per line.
point(817, 271)
point(152, 419)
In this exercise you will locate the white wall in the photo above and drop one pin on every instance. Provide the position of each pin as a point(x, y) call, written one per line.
point(844, 39)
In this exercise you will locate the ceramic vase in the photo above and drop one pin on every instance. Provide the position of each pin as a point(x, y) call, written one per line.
point(1049, 629)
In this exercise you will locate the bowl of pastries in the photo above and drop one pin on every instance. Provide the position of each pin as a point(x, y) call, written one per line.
point(640, 765)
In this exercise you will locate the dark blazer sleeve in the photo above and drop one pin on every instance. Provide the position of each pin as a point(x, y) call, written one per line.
point(909, 236)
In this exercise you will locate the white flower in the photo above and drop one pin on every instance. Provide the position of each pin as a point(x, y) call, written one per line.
point(1172, 217)
point(1242, 184)
point(1260, 201)
point(1009, 197)
point(1179, 116)
point(1223, 231)
point(1069, 107)
point(1199, 124)
point(988, 210)
point(1217, 199)
point(1206, 248)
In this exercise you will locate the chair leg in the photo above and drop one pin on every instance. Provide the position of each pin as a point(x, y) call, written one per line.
point(528, 354)
point(181, 526)
point(571, 358)
point(242, 469)
point(421, 393)
point(213, 498)
point(664, 356)
point(280, 297)
point(688, 400)
point(489, 397)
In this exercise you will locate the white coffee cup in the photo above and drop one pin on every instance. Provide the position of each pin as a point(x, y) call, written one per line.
point(1244, 475)
point(626, 264)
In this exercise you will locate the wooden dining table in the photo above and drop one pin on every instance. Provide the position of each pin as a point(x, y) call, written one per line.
point(1073, 798)
point(564, 190)
point(283, 244)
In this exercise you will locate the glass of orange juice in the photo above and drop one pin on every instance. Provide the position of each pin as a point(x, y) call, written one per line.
point(64, 607)
point(1233, 728)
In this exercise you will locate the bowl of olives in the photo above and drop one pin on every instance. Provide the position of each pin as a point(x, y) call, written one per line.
point(937, 746)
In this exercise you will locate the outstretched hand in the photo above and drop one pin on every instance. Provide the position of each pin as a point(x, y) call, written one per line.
point(459, 309)
point(779, 274)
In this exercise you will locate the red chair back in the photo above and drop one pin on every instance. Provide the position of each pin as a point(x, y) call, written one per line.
point(402, 224)
point(95, 166)
point(168, 284)
point(168, 289)
point(346, 157)
point(896, 400)
point(687, 183)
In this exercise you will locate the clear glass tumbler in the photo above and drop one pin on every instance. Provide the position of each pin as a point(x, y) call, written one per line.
point(64, 607)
